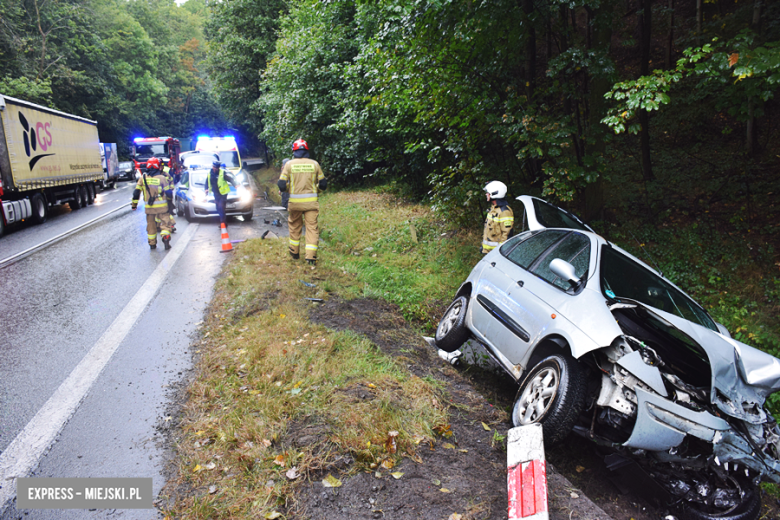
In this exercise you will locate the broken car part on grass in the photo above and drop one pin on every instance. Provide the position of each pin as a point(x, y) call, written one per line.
point(604, 346)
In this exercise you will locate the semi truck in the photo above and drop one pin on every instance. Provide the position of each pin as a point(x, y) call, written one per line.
point(47, 157)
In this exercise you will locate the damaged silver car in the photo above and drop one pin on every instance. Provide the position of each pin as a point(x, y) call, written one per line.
point(605, 346)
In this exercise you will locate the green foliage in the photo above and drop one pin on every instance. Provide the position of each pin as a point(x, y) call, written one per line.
point(755, 67)
point(131, 65)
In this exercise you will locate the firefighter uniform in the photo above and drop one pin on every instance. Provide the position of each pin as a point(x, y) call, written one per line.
point(303, 178)
point(498, 226)
point(155, 189)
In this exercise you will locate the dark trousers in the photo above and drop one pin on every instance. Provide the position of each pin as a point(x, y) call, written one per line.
point(221, 202)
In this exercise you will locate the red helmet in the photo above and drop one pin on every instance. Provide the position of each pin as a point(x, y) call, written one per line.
point(300, 143)
point(153, 164)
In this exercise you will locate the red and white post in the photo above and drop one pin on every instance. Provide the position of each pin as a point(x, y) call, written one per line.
point(526, 473)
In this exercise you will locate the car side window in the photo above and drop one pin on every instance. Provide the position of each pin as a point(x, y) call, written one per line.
point(527, 252)
point(185, 178)
point(575, 249)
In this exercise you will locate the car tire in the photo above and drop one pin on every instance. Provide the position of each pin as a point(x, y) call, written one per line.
point(452, 332)
point(248, 216)
point(748, 509)
point(40, 210)
point(77, 202)
point(553, 394)
point(187, 214)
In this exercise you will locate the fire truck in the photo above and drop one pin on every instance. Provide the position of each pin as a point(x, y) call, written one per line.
point(168, 148)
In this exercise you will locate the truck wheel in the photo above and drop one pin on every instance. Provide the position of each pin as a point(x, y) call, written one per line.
point(90, 193)
point(78, 201)
point(40, 210)
point(84, 196)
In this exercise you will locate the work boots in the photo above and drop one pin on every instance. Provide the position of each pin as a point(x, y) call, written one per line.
point(167, 241)
point(295, 256)
point(152, 246)
point(311, 261)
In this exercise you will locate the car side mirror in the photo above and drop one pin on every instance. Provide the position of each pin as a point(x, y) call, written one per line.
point(244, 164)
point(563, 269)
point(723, 330)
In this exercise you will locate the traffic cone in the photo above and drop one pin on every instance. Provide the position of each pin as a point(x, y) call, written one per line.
point(226, 245)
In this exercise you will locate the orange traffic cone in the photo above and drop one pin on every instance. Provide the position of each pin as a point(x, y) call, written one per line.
point(226, 245)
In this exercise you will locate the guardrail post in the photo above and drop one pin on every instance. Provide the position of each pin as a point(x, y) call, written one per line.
point(526, 473)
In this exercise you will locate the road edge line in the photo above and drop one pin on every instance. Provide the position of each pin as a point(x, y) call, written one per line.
point(26, 450)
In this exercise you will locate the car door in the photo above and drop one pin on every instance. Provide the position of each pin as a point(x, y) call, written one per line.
point(523, 314)
point(506, 317)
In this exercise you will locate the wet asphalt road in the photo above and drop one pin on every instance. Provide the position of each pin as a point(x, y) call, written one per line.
point(56, 304)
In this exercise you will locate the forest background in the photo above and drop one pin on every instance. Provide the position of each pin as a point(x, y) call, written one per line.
point(654, 120)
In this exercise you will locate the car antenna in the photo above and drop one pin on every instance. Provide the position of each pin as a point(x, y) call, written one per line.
point(642, 247)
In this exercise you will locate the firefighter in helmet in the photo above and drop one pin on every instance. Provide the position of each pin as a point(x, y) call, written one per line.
point(500, 219)
point(166, 170)
point(303, 179)
point(155, 188)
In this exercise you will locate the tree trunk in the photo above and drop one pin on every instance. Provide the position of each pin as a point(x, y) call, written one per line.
point(645, 27)
point(750, 127)
point(670, 38)
point(699, 17)
point(530, 50)
point(593, 195)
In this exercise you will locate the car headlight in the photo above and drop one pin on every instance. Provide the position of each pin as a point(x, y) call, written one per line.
point(199, 196)
point(244, 195)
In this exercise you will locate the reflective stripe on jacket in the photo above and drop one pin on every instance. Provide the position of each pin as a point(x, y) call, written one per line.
point(498, 226)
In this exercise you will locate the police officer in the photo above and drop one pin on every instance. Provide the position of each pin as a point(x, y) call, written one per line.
point(303, 179)
point(217, 182)
point(500, 219)
point(155, 188)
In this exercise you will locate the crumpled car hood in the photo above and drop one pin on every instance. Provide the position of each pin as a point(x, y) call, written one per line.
point(742, 376)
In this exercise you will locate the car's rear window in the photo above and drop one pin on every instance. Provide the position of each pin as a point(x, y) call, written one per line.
point(621, 277)
point(551, 217)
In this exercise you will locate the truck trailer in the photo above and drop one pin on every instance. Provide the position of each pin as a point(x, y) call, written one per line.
point(47, 157)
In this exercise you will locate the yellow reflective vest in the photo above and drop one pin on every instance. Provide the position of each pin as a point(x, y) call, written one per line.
point(222, 184)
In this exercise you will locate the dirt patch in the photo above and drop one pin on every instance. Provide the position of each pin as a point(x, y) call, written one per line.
point(464, 474)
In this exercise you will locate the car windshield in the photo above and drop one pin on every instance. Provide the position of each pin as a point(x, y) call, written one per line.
point(230, 159)
point(198, 162)
point(551, 217)
point(621, 277)
point(144, 151)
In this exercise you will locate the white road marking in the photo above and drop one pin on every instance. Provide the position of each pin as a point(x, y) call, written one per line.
point(26, 450)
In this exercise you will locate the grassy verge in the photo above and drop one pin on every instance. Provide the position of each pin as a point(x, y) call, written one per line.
point(264, 367)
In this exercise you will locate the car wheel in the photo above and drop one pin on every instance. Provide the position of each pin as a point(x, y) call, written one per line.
point(187, 214)
point(90, 193)
point(40, 209)
point(553, 394)
point(452, 332)
point(748, 506)
point(248, 216)
point(77, 202)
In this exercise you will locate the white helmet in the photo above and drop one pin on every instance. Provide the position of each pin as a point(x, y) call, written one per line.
point(496, 189)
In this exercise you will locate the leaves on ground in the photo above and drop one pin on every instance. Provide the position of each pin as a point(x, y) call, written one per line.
point(331, 482)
